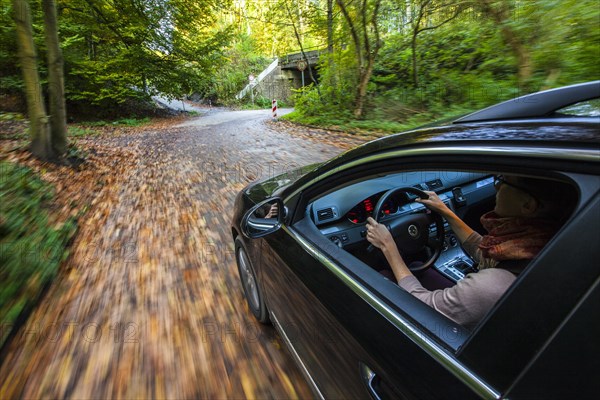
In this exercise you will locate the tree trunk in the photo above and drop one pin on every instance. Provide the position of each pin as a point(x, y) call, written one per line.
point(366, 52)
point(416, 24)
point(362, 89)
point(56, 89)
point(39, 131)
point(413, 47)
point(500, 14)
point(330, 27)
point(304, 57)
point(524, 63)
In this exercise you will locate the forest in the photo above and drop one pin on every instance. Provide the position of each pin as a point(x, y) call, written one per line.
point(383, 63)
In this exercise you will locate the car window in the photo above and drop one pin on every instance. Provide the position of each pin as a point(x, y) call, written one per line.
point(589, 108)
point(341, 217)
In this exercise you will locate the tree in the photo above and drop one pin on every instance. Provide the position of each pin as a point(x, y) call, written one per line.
point(126, 50)
point(266, 22)
point(299, 40)
point(361, 18)
point(56, 86)
point(502, 13)
point(39, 130)
point(423, 20)
point(330, 28)
point(48, 135)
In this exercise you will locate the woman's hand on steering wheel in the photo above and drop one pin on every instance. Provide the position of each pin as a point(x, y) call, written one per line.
point(408, 233)
point(378, 234)
point(434, 203)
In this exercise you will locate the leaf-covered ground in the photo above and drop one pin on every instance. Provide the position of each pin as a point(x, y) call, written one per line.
point(335, 138)
point(148, 305)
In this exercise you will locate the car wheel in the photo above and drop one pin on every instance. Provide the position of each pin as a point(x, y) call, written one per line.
point(252, 292)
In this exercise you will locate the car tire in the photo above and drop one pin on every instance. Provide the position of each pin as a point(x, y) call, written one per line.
point(254, 296)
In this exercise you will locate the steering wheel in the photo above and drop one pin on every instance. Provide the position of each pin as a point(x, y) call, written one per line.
point(411, 232)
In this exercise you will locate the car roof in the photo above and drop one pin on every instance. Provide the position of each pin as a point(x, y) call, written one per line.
point(577, 130)
point(535, 105)
point(564, 132)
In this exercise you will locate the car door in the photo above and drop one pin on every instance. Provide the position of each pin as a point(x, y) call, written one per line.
point(343, 338)
point(335, 314)
point(349, 329)
point(570, 357)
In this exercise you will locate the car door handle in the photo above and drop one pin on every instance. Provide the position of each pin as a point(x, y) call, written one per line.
point(370, 379)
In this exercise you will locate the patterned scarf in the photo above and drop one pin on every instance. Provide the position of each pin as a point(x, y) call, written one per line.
point(515, 238)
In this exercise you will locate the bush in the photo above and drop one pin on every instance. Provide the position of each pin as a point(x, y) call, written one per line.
point(31, 249)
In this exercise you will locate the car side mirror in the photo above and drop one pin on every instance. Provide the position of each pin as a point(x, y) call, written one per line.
point(264, 218)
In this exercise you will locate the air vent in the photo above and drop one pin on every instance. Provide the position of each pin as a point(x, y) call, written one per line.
point(325, 214)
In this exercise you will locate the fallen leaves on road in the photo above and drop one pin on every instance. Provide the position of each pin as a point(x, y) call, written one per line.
point(148, 305)
point(340, 139)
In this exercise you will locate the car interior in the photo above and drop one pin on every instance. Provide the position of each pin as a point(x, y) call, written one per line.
point(340, 215)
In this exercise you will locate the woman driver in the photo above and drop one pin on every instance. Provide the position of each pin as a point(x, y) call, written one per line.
point(526, 216)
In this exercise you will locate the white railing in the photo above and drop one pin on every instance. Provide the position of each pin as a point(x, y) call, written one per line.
point(257, 80)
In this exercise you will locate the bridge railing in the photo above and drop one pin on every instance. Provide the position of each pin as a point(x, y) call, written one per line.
point(312, 56)
point(258, 79)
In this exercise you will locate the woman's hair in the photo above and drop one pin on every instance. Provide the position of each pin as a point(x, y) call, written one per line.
point(557, 199)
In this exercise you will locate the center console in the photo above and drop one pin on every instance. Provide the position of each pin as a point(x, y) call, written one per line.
point(454, 263)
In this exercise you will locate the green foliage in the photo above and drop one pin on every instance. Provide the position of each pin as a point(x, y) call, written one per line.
point(118, 53)
point(263, 102)
point(77, 131)
point(31, 249)
point(337, 89)
point(120, 122)
point(270, 24)
point(125, 50)
point(570, 47)
point(243, 59)
point(9, 116)
point(260, 103)
point(373, 125)
point(463, 65)
point(10, 75)
point(312, 108)
point(457, 69)
point(87, 128)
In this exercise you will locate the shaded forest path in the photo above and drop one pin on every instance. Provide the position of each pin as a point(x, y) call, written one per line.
point(149, 304)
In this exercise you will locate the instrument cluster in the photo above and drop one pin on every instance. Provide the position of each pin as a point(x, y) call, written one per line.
point(363, 210)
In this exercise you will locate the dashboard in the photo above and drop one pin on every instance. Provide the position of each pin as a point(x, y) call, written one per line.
point(341, 215)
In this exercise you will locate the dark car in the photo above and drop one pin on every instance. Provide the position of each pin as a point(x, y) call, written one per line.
point(306, 266)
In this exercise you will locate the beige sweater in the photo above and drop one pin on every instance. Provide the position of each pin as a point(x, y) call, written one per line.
point(471, 298)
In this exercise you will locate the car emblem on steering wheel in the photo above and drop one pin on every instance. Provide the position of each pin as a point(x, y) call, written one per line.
point(413, 231)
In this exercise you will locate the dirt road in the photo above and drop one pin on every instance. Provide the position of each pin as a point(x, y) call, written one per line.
point(149, 304)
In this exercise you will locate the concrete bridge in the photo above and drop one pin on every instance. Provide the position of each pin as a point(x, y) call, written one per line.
point(284, 74)
point(294, 61)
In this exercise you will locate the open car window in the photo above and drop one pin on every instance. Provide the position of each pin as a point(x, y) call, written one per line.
point(339, 217)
